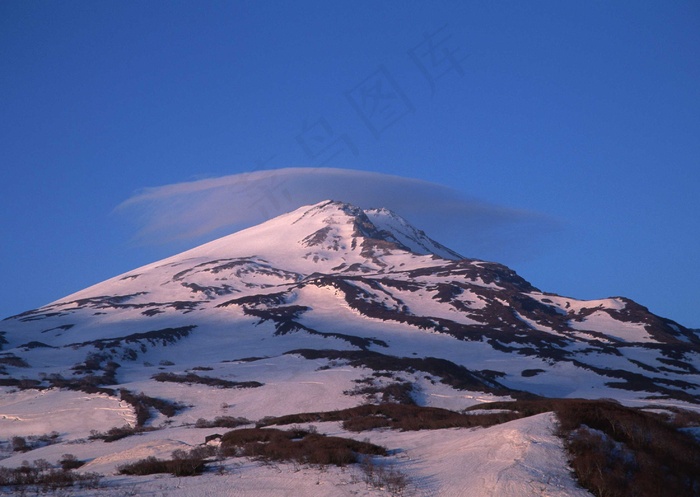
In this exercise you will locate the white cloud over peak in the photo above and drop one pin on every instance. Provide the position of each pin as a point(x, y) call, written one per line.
point(217, 206)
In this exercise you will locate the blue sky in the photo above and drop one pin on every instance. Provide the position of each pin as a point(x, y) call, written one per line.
point(586, 113)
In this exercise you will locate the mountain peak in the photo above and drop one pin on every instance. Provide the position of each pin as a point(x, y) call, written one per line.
point(377, 228)
point(328, 235)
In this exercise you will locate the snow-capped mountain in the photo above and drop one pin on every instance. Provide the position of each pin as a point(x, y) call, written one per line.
point(290, 316)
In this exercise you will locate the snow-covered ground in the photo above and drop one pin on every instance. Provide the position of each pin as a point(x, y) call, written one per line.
point(71, 414)
point(515, 459)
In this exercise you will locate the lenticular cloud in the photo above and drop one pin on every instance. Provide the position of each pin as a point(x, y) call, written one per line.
point(217, 206)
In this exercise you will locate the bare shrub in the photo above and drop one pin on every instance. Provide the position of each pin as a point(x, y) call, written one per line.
point(19, 444)
point(182, 464)
point(204, 380)
point(147, 466)
point(42, 476)
point(118, 432)
point(396, 416)
point(222, 422)
point(384, 477)
point(31, 442)
point(142, 402)
point(297, 445)
point(399, 393)
point(69, 461)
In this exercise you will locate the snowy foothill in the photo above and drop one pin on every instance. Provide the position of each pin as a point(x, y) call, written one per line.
point(518, 458)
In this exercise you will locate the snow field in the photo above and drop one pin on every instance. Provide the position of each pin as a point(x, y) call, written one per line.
point(71, 414)
point(515, 459)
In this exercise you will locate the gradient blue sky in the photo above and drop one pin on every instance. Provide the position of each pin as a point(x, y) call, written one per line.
point(586, 112)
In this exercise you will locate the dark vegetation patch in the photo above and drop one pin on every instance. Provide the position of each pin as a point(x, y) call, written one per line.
point(247, 359)
point(674, 351)
point(492, 374)
point(318, 238)
point(121, 302)
point(284, 319)
point(69, 462)
point(684, 366)
point(644, 366)
point(616, 451)
point(272, 307)
point(268, 299)
point(90, 376)
point(118, 432)
point(142, 405)
point(35, 345)
point(100, 302)
point(298, 445)
point(142, 402)
point(402, 417)
point(668, 388)
point(105, 301)
point(222, 422)
point(240, 266)
point(31, 442)
point(488, 272)
point(64, 327)
point(35, 315)
point(90, 384)
point(13, 361)
point(21, 383)
point(446, 292)
point(402, 285)
point(97, 363)
point(152, 312)
point(156, 337)
point(182, 463)
point(210, 291)
point(191, 378)
point(528, 373)
point(361, 342)
point(398, 392)
point(449, 373)
point(523, 407)
point(43, 477)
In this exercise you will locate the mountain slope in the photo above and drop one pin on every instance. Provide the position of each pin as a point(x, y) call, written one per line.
point(325, 308)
